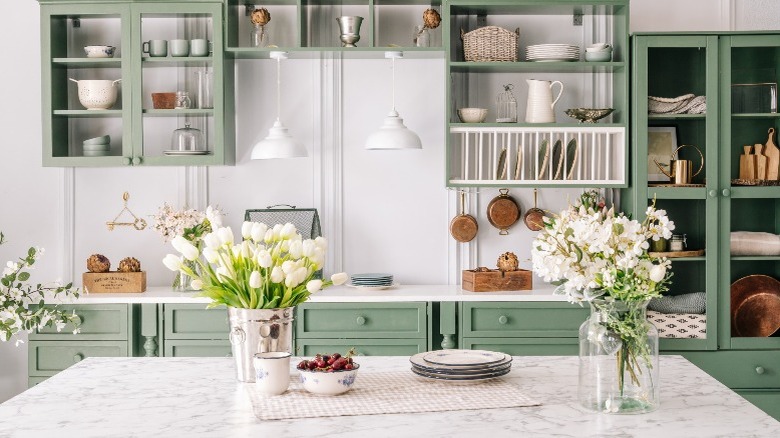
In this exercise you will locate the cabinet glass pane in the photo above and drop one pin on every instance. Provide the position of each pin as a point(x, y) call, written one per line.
point(71, 33)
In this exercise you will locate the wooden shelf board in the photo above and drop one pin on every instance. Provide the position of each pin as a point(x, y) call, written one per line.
point(525, 66)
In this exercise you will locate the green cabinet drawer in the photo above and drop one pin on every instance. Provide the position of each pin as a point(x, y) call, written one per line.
point(32, 381)
point(98, 322)
point(767, 401)
point(525, 346)
point(740, 369)
point(197, 348)
point(47, 358)
point(521, 319)
point(363, 347)
point(194, 321)
point(361, 320)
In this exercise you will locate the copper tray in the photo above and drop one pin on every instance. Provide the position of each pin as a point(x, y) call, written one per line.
point(755, 306)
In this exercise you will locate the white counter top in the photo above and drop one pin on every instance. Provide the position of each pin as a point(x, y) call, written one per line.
point(193, 397)
point(343, 294)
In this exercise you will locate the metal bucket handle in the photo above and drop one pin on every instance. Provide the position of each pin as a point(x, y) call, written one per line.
point(238, 335)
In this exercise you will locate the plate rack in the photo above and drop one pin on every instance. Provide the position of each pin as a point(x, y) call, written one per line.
point(534, 156)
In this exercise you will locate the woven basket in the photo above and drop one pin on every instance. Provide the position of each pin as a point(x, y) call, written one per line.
point(490, 43)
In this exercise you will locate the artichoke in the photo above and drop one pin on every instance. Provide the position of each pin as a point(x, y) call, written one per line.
point(260, 16)
point(129, 264)
point(507, 262)
point(431, 19)
point(98, 263)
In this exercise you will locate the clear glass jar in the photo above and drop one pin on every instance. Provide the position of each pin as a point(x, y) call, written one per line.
point(183, 282)
point(421, 37)
point(618, 374)
point(506, 106)
point(183, 100)
point(678, 243)
point(257, 36)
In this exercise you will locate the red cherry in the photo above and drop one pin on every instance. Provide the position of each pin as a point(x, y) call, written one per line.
point(349, 366)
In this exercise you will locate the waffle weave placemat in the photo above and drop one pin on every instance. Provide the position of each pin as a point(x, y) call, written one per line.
point(390, 392)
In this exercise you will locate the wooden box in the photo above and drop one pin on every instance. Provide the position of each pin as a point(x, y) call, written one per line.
point(114, 282)
point(495, 280)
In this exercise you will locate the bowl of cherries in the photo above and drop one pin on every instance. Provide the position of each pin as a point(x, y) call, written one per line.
point(328, 374)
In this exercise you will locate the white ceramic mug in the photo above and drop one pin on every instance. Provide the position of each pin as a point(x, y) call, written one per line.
point(200, 47)
point(179, 47)
point(272, 372)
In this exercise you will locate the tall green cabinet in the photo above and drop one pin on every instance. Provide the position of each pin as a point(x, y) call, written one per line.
point(710, 64)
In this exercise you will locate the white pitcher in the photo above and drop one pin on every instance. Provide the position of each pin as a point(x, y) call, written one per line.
point(541, 106)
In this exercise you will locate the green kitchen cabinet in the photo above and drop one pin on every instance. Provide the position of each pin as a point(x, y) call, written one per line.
point(361, 346)
point(517, 153)
point(193, 330)
point(521, 328)
point(197, 348)
point(140, 134)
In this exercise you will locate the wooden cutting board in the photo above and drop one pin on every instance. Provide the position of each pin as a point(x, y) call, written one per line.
point(772, 153)
point(761, 162)
point(747, 164)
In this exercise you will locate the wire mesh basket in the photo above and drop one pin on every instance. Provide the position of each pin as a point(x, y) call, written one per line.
point(306, 220)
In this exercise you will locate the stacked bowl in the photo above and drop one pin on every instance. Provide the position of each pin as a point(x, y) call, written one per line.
point(97, 147)
point(598, 52)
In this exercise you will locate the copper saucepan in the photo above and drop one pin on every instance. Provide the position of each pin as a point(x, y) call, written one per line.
point(503, 211)
point(534, 217)
point(463, 227)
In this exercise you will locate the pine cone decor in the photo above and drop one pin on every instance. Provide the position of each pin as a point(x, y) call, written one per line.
point(260, 16)
point(98, 263)
point(431, 19)
point(507, 262)
point(129, 264)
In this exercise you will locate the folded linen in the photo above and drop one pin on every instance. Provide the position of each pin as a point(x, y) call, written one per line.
point(685, 303)
point(679, 325)
point(745, 243)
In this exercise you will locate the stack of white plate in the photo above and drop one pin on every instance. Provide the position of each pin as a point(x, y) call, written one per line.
point(372, 280)
point(553, 52)
point(461, 365)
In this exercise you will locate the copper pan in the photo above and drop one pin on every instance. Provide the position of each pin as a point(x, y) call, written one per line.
point(755, 306)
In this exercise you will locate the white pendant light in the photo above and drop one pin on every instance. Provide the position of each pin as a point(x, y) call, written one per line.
point(393, 134)
point(279, 143)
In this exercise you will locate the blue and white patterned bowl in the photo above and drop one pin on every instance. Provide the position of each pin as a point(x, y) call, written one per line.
point(99, 51)
point(325, 383)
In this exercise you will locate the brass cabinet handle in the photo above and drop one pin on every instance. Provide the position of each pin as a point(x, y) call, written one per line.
point(503, 319)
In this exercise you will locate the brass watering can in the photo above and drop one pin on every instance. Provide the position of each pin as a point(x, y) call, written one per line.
point(681, 170)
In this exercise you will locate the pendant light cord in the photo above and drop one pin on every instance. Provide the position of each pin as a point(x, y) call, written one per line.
point(278, 89)
point(392, 68)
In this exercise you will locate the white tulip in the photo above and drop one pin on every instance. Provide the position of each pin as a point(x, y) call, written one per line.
point(313, 286)
point(288, 231)
point(246, 249)
point(284, 246)
point(225, 235)
point(214, 216)
point(258, 231)
point(212, 241)
point(339, 278)
point(657, 273)
point(277, 275)
point(321, 242)
point(211, 255)
point(278, 231)
point(296, 249)
point(236, 250)
point(254, 279)
point(269, 236)
point(246, 230)
point(196, 284)
point(307, 248)
point(301, 274)
point(223, 272)
point(172, 262)
point(184, 246)
point(264, 259)
point(288, 267)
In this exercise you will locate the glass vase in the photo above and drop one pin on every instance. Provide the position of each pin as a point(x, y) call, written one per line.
point(421, 37)
point(183, 282)
point(257, 36)
point(618, 358)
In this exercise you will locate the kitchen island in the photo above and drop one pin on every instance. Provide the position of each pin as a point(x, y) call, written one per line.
point(163, 397)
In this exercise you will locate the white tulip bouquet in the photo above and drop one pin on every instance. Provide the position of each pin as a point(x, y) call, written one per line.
point(273, 267)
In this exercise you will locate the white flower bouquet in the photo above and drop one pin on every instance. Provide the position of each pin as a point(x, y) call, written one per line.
point(273, 267)
point(16, 297)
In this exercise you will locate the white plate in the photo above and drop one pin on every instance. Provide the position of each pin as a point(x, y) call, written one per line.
point(373, 288)
point(418, 360)
point(462, 358)
point(172, 152)
point(460, 371)
point(451, 381)
point(553, 59)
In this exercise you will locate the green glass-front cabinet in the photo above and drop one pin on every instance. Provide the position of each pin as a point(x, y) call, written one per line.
point(713, 206)
point(140, 134)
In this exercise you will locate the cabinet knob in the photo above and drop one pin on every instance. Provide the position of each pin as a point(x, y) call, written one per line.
point(726, 193)
point(361, 320)
point(760, 370)
point(78, 357)
point(136, 160)
point(713, 193)
point(128, 161)
point(503, 319)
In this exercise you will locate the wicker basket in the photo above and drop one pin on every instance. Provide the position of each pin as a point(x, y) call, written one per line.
point(490, 43)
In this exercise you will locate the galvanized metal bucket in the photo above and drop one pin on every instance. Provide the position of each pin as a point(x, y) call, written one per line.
point(257, 331)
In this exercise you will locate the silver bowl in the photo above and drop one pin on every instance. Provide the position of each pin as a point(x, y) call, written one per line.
point(589, 115)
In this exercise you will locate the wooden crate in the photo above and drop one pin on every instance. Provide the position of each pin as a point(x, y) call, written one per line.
point(495, 280)
point(114, 282)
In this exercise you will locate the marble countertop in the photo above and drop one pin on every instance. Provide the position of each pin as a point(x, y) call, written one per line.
point(339, 294)
point(194, 397)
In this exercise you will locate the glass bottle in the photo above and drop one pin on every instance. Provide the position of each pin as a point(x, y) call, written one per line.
point(618, 374)
point(422, 36)
point(506, 106)
point(183, 100)
point(257, 36)
point(203, 96)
